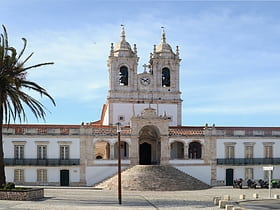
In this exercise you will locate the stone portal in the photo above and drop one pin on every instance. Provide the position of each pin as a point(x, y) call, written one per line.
point(149, 146)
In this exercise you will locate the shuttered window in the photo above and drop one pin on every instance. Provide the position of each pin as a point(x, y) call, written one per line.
point(249, 173)
point(19, 152)
point(64, 152)
point(42, 175)
point(18, 175)
point(41, 152)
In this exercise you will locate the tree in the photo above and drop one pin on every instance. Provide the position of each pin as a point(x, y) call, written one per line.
point(13, 86)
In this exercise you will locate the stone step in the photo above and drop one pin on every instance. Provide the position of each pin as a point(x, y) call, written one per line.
point(154, 178)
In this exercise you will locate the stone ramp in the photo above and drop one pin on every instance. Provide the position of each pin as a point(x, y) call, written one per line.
point(154, 178)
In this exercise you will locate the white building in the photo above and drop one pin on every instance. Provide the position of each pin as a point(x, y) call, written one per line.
point(149, 106)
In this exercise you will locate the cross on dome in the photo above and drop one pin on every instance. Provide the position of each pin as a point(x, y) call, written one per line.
point(122, 33)
point(163, 38)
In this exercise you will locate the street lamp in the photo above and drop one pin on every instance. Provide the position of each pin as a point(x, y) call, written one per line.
point(119, 163)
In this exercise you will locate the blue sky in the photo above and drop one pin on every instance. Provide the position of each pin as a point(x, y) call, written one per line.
point(230, 68)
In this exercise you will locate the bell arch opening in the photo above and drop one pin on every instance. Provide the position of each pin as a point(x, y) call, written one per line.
point(149, 146)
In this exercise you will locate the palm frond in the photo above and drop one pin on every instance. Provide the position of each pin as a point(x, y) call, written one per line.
point(23, 49)
point(5, 39)
point(13, 96)
point(37, 65)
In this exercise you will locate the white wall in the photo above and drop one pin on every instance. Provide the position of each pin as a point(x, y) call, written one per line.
point(126, 110)
point(203, 173)
point(53, 173)
point(98, 173)
point(9, 174)
point(240, 147)
point(30, 147)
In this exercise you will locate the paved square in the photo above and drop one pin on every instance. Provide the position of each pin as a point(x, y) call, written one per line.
point(89, 198)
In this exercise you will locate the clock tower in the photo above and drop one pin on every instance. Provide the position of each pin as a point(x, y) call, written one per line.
point(157, 87)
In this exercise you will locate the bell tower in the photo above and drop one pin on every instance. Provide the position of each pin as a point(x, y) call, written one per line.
point(122, 67)
point(130, 93)
point(165, 68)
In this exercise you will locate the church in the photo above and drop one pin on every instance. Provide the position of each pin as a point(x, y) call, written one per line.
point(148, 106)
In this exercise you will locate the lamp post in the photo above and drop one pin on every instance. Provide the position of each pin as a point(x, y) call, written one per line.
point(119, 163)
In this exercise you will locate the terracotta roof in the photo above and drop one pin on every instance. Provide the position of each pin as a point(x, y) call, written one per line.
point(40, 126)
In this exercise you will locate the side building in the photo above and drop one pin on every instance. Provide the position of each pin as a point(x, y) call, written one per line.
point(83, 155)
point(42, 155)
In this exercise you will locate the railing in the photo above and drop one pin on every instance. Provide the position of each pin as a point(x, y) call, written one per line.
point(37, 162)
point(248, 161)
point(177, 131)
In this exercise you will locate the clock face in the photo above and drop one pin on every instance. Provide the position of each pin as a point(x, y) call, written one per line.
point(145, 80)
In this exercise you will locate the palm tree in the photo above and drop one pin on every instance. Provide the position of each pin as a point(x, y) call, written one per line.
point(13, 86)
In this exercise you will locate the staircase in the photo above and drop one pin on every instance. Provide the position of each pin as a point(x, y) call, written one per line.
point(154, 178)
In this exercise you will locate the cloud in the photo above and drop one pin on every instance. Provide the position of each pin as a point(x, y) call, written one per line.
point(230, 55)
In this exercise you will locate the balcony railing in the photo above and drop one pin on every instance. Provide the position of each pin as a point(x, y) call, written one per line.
point(248, 161)
point(37, 162)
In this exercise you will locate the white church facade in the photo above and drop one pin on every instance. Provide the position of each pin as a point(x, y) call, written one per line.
point(149, 107)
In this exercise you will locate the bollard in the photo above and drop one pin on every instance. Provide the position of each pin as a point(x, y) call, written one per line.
point(222, 204)
point(227, 197)
point(242, 197)
point(256, 195)
point(276, 196)
point(229, 207)
point(216, 200)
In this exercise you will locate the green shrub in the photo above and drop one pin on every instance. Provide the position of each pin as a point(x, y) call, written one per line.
point(8, 186)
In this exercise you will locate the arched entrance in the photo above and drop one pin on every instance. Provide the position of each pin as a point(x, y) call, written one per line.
point(149, 146)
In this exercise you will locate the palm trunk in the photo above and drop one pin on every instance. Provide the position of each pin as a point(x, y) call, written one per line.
point(2, 165)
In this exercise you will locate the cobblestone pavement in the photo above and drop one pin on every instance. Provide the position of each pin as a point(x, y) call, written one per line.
point(89, 198)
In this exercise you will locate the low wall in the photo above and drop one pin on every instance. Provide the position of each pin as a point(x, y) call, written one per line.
point(22, 195)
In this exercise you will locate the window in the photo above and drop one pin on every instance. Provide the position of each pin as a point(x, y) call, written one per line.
point(42, 175)
point(102, 150)
point(268, 149)
point(121, 118)
point(18, 175)
point(123, 76)
point(177, 150)
point(229, 151)
point(165, 77)
point(19, 152)
point(41, 152)
point(64, 152)
point(195, 150)
point(124, 150)
point(249, 151)
point(266, 175)
point(249, 173)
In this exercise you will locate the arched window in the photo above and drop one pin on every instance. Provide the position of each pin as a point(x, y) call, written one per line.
point(165, 77)
point(123, 76)
point(177, 150)
point(102, 150)
point(195, 150)
point(124, 150)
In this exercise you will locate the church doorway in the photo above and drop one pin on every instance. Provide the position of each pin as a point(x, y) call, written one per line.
point(149, 146)
point(145, 154)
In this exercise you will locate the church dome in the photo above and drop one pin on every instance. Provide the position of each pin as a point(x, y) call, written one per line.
point(163, 46)
point(123, 47)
